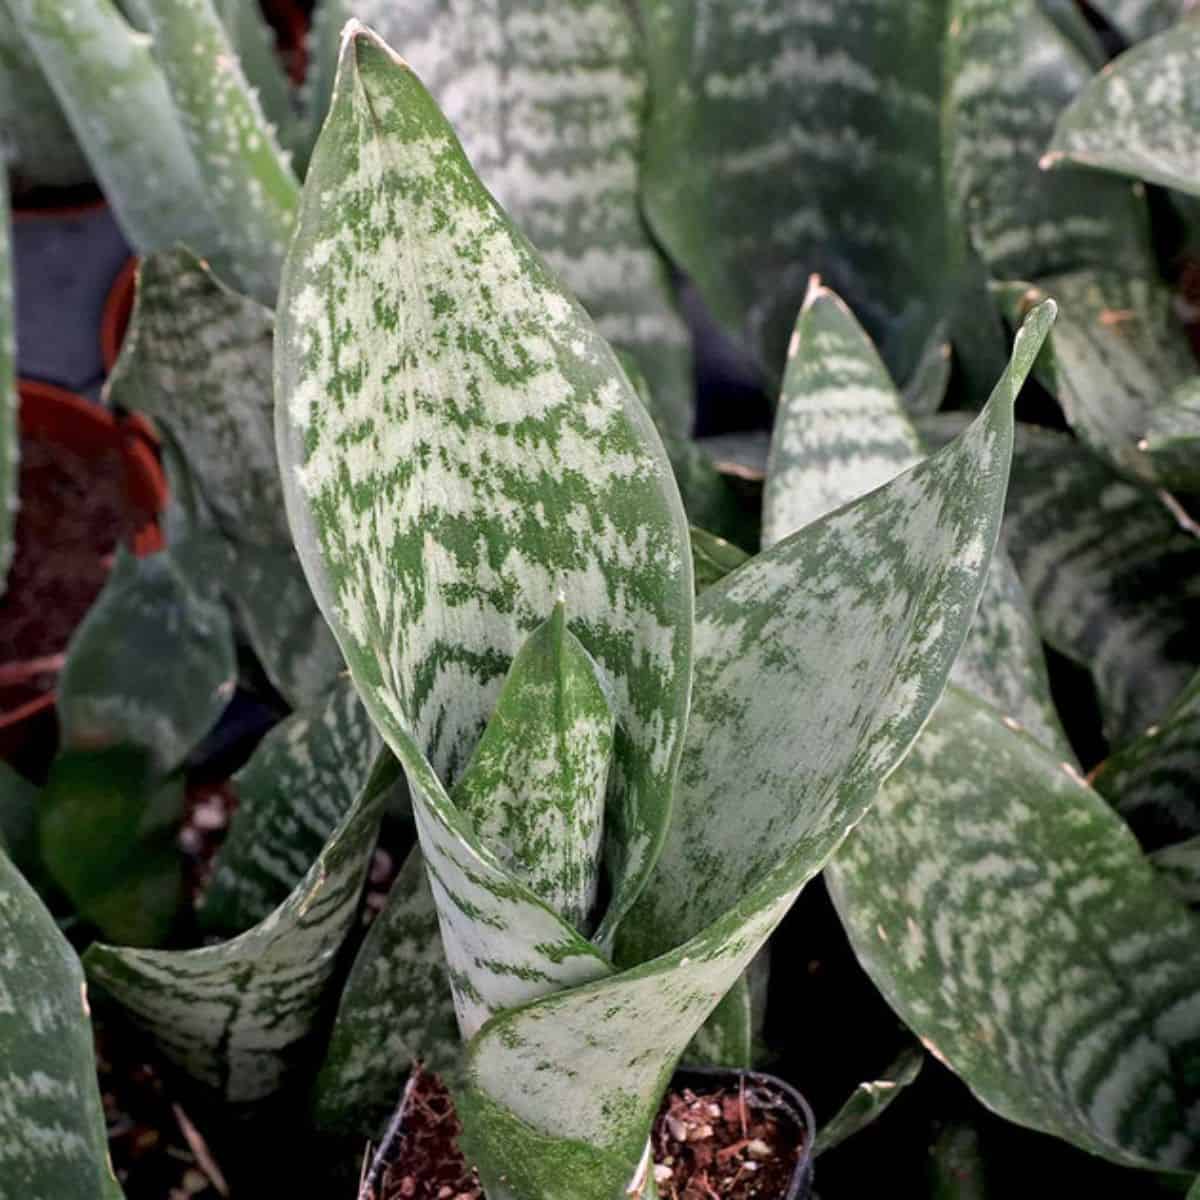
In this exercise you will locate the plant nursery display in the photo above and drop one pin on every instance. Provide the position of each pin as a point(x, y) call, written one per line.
point(455, 779)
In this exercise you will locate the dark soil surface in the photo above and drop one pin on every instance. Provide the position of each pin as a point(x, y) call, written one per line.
point(726, 1144)
point(207, 812)
point(73, 512)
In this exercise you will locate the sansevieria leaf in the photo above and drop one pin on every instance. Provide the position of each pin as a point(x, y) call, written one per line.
point(1137, 19)
point(10, 444)
point(1009, 916)
point(52, 1129)
point(1141, 115)
point(869, 1100)
point(1180, 865)
point(458, 447)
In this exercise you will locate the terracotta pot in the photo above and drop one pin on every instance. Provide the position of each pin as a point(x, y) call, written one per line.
point(118, 309)
point(66, 419)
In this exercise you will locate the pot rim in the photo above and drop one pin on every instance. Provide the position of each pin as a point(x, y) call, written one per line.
point(117, 312)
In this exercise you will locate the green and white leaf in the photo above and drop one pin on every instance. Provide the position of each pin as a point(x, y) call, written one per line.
point(10, 438)
point(298, 784)
point(1121, 366)
point(116, 100)
point(1140, 116)
point(817, 664)
point(396, 1008)
point(1180, 865)
point(869, 1101)
point(536, 783)
point(784, 141)
point(53, 1140)
point(106, 836)
point(550, 107)
point(459, 446)
point(151, 665)
point(1009, 74)
point(926, 390)
point(251, 191)
point(1151, 780)
point(38, 143)
point(1010, 918)
point(1138, 19)
point(238, 1016)
point(713, 558)
point(1069, 18)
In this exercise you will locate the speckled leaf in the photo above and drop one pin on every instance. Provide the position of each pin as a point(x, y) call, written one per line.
point(396, 1008)
point(1123, 371)
point(106, 835)
point(459, 445)
point(1010, 918)
point(151, 665)
point(536, 783)
point(236, 1016)
point(53, 1141)
point(784, 140)
point(1152, 779)
point(817, 664)
point(297, 786)
point(840, 429)
point(869, 1101)
point(40, 147)
point(1010, 73)
point(1140, 116)
point(1180, 866)
point(713, 558)
point(198, 359)
point(10, 441)
point(549, 104)
point(251, 192)
point(114, 95)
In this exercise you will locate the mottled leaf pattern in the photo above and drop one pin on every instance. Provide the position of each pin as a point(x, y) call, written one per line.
point(251, 192)
point(1010, 918)
point(869, 1101)
point(299, 783)
point(115, 97)
point(150, 666)
point(236, 1016)
point(1138, 19)
point(396, 1008)
point(785, 140)
point(1009, 75)
point(52, 1129)
point(713, 558)
point(1180, 865)
point(1141, 115)
point(459, 446)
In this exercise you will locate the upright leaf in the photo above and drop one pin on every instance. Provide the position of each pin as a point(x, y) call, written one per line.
point(785, 140)
point(459, 445)
point(251, 191)
point(1141, 115)
point(870, 1100)
point(53, 1140)
point(1010, 918)
point(237, 1016)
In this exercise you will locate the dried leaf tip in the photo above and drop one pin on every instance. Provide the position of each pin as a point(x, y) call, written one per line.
point(1050, 160)
point(354, 29)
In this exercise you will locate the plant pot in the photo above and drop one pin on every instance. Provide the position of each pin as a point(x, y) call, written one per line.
point(73, 435)
point(118, 309)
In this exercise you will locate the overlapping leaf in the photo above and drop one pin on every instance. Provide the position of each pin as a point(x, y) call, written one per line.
point(459, 445)
point(1141, 115)
point(237, 1015)
point(1137, 19)
point(869, 1101)
point(1180, 865)
point(52, 1128)
point(788, 140)
point(18, 817)
point(1010, 918)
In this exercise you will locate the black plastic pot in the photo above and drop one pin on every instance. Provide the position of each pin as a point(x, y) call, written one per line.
point(790, 1103)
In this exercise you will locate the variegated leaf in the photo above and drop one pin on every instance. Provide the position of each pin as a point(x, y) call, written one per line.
point(237, 1016)
point(1137, 19)
point(299, 783)
point(1140, 116)
point(817, 664)
point(151, 665)
point(1152, 779)
point(926, 390)
point(1180, 865)
point(1121, 366)
point(106, 834)
point(39, 145)
point(10, 438)
point(251, 192)
point(840, 430)
point(115, 97)
point(1068, 16)
point(198, 359)
point(550, 106)
point(1008, 915)
point(536, 783)
point(458, 446)
point(52, 1128)
point(788, 140)
point(396, 1009)
point(1009, 75)
point(869, 1101)
point(713, 558)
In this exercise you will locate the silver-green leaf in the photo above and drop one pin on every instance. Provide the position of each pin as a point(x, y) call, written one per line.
point(869, 1101)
